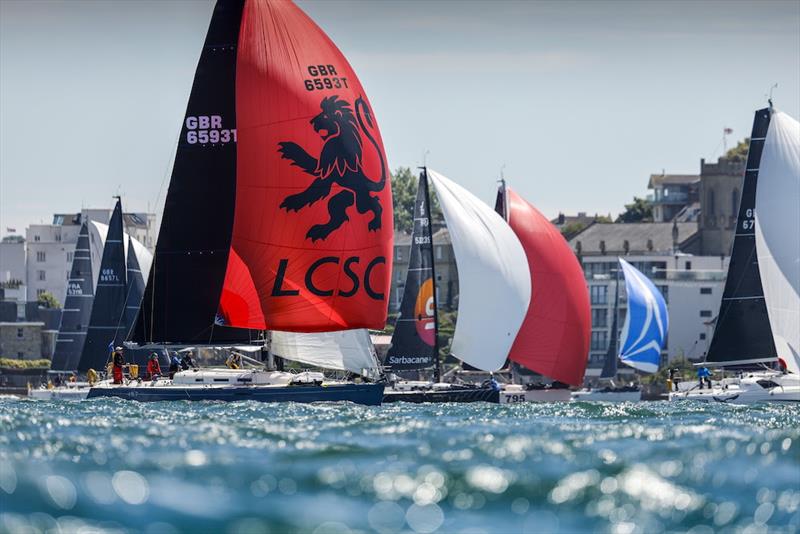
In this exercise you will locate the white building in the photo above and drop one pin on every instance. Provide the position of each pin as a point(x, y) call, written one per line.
point(12, 259)
point(691, 285)
point(50, 247)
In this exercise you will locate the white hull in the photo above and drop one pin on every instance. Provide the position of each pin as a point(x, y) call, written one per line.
point(513, 394)
point(606, 396)
point(66, 393)
point(766, 386)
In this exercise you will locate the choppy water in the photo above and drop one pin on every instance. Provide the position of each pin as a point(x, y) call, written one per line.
point(249, 467)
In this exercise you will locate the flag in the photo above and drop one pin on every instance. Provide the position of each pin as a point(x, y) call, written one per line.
point(727, 131)
point(10, 230)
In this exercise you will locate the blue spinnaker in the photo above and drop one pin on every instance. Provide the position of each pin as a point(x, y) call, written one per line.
point(646, 322)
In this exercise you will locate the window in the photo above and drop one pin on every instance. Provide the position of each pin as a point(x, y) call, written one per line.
point(599, 294)
point(705, 290)
point(599, 318)
point(20, 355)
point(702, 336)
point(712, 208)
point(41, 276)
point(20, 332)
point(599, 340)
point(398, 254)
point(67, 276)
point(438, 253)
point(735, 201)
point(70, 256)
point(36, 238)
point(41, 256)
point(688, 266)
point(705, 313)
point(40, 292)
point(664, 291)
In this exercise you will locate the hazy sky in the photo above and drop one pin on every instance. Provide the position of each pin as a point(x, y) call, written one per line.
point(580, 101)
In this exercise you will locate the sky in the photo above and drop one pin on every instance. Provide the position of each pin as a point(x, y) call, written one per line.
point(576, 102)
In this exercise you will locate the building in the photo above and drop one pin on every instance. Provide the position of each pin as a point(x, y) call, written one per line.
point(22, 341)
point(571, 225)
point(720, 193)
point(12, 259)
point(50, 247)
point(691, 284)
point(672, 194)
point(444, 267)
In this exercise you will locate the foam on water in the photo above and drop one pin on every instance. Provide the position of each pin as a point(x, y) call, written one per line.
point(250, 467)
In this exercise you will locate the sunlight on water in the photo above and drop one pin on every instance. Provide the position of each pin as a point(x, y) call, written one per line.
point(248, 467)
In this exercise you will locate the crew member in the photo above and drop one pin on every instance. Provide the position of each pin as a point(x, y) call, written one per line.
point(153, 367)
point(118, 359)
point(704, 377)
point(234, 361)
point(174, 365)
point(187, 362)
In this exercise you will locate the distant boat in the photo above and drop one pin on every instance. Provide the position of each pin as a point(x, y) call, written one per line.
point(643, 335)
point(759, 317)
point(415, 340)
point(272, 221)
point(553, 339)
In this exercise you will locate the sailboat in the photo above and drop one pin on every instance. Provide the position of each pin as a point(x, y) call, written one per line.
point(278, 215)
point(759, 317)
point(415, 340)
point(554, 337)
point(643, 335)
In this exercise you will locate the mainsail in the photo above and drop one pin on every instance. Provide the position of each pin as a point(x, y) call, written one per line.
point(280, 144)
point(554, 337)
point(414, 341)
point(493, 276)
point(777, 234)
point(646, 323)
point(106, 325)
point(743, 334)
point(77, 307)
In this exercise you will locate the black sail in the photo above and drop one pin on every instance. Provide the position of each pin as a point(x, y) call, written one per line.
point(77, 307)
point(135, 287)
point(185, 282)
point(743, 334)
point(414, 342)
point(106, 325)
point(610, 363)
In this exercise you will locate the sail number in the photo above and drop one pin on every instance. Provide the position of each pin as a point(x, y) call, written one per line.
point(205, 129)
point(324, 77)
point(749, 223)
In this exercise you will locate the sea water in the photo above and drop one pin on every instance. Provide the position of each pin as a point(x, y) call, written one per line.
point(110, 465)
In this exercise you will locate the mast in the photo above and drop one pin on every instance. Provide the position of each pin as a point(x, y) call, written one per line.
point(612, 353)
point(437, 370)
point(742, 334)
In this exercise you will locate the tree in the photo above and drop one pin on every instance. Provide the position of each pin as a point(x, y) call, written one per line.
point(640, 210)
point(404, 193)
point(47, 300)
point(739, 152)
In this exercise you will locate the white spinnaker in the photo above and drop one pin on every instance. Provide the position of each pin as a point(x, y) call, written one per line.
point(346, 350)
point(494, 280)
point(778, 234)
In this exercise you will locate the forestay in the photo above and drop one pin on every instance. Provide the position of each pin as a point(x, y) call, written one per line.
point(347, 350)
point(493, 276)
point(646, 322)
point(778, 234)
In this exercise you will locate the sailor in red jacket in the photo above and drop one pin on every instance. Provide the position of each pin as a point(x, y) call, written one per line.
point(153, 367)
point(118, 360)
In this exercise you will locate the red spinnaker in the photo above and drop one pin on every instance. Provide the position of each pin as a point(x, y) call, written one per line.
point(313, 222)
point(554, 338)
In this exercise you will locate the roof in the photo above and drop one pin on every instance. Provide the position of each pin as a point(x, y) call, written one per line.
point(674, 179)
point(644, 238)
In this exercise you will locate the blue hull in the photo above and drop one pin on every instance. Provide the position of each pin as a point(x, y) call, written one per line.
point(368, 394)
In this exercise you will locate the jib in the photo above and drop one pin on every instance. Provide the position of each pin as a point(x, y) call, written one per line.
point(279, 291)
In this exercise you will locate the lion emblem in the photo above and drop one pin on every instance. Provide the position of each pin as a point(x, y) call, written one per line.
point(339, 162)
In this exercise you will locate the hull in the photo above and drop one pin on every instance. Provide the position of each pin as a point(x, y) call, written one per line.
point(600, 395)
point(756, 387)
point(59, 393)
point(514, 396)
point(443, 395)
point(367, 394)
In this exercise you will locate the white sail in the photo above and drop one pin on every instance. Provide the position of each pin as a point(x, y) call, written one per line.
point(778, 234)
point(494, 280)
point(346, 350)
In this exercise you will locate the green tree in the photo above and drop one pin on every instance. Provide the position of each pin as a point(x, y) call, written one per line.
point(739, 152)
point(47, 300)
point(404, 194)
point(640, 210)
